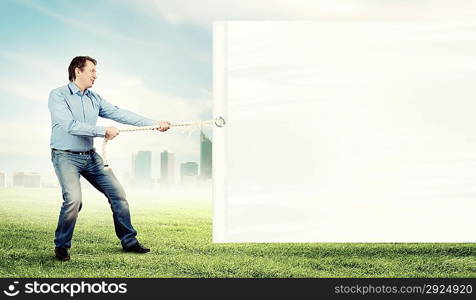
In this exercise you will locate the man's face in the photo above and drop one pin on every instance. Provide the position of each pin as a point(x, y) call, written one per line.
point(87, 76)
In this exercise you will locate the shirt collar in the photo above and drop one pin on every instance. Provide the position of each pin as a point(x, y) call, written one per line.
point(73, 88)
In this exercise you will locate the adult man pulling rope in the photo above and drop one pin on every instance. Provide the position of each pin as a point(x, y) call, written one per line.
point(74, 111)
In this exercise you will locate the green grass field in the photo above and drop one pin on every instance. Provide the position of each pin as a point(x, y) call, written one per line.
point(178, 230)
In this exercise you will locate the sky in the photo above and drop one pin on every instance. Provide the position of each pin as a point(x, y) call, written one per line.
point(145, 64)
point(159, 51)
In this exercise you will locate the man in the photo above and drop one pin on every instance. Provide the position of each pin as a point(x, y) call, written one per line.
point(74, 111)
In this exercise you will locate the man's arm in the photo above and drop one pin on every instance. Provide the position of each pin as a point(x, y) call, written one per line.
point(61, 114)
point(109, 111)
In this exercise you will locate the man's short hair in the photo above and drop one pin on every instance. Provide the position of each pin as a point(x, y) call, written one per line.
point(78, 62)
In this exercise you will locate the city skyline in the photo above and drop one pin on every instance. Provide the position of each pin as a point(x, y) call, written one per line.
point(142, 172)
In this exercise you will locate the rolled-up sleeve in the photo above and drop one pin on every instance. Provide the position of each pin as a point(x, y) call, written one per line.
point(61, 115)
point(109, 111)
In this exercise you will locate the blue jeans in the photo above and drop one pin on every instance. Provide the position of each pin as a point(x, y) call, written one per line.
point(68, 168)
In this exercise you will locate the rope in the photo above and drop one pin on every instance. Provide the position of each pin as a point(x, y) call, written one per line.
point(189, 127)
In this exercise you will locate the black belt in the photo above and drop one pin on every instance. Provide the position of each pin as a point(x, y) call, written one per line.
point(75, 152)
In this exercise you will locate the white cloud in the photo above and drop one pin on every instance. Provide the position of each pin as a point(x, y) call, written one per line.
point(25, 138)
point(30, 77)
point(31, 91)
point(109, 33)
point(75, 22)
point(204, 12)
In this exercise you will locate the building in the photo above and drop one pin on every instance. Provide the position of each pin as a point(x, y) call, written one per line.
point(142, 162)
point(18, 179)
point(26, 179)
point(188, 172)
point(205, 157)
point(32, 180)
point(167, 168)
point(3, 180)
point(189, 169)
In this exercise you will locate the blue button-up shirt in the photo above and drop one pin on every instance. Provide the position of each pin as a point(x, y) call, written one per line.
point(74, 116)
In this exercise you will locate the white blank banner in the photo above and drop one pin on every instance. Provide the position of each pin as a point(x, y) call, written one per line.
point(346, 131)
